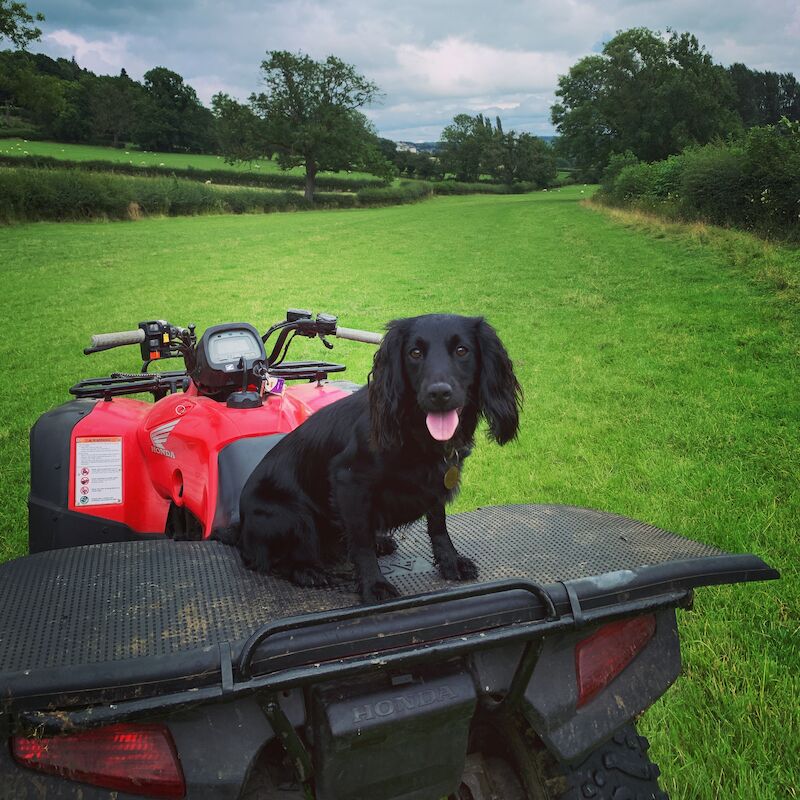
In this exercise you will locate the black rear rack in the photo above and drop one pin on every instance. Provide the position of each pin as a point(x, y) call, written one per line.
point(234, 678)
point(160, 384)
point(107, 632)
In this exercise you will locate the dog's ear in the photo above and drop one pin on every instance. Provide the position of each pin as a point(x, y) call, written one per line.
point(386, 389)
point(500, 395)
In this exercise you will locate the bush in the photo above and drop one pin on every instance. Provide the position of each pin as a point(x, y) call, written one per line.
point(771, 160)
point(22, 131)
point(35, 195)
point(404, 192)
point(712, 186)
point(634, 182)
point(451, 187)
point(752, 184)
point(28, 195)
point(667, 177)
point(616, 164)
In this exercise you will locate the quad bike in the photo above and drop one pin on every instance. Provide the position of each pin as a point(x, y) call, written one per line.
point(133, 664)
point(108, 467)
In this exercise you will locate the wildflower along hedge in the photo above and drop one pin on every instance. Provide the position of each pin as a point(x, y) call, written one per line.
point(752, 183)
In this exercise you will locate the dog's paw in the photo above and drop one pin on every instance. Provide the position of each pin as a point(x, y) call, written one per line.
point(310, 576)
point(378, 592)
point(385, 544)
point(460, 568)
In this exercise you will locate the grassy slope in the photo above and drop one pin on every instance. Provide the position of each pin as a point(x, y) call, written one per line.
point(142, 158)
point(661, 383)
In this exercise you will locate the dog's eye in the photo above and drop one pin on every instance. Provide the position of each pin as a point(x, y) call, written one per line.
point(415, 352)
point(461, 351)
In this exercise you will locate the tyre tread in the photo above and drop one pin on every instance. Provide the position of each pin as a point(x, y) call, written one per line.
point(620, 769)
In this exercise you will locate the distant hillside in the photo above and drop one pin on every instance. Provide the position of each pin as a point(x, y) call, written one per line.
point(418, 147)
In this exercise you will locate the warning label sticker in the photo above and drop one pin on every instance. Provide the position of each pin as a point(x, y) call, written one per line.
point(98, 470)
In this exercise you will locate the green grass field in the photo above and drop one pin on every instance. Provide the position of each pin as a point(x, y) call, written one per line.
point(660, 369)
point(143, 158)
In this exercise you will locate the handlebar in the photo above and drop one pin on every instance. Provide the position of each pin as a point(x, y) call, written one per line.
point(368, 337)
point(117, 338)
point(156, 339)
point(302, 323)
point(159, 339)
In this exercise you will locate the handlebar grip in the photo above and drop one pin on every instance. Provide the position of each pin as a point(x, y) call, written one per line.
point(117, 338)
point(359, 336)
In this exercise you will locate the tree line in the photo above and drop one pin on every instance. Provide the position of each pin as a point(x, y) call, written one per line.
point(645, 94)
point(70, 104)
point(307, 115)
point(652, 96)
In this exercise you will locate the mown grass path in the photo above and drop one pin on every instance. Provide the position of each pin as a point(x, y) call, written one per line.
point(661, 382)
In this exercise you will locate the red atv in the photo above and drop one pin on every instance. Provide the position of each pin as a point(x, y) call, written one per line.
point(115, 471)
point(140, 666)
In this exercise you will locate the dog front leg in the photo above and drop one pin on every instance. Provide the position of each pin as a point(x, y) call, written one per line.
point(353, 508)
point(452, 566)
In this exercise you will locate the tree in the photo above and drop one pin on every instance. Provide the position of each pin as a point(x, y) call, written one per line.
point(465, 143)
point(311, 117)
point(17, 25)
point(524, 158)
point(426, 167)
point(171, 117)
point(42, 97)
point(113, 104)
point(649, 94)
point(239, 132)
point(763, 98)
point(387, 148)
point(73, 123)
point(472, 147)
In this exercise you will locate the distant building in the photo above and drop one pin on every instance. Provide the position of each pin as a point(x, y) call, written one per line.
point(406, 147)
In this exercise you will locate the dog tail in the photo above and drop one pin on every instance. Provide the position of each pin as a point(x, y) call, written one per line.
point(228, 535)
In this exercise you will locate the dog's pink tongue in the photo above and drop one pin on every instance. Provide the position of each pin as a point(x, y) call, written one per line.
point(442, 424)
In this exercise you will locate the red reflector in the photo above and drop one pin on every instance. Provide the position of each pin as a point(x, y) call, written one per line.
point(140, 759)
point(603, 655)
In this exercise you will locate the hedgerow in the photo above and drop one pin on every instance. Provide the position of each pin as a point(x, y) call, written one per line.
point(752, 184)
point(404, 192)
point(272, 180)
point(28, 195)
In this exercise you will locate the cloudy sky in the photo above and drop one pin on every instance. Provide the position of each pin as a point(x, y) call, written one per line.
point(431, 59)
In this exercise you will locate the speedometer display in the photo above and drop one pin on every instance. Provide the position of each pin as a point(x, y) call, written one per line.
point(227, 346)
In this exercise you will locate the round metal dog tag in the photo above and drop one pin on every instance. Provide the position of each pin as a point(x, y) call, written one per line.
point(451, 477)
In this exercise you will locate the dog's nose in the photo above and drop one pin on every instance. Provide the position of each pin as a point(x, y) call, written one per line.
point(440, 393)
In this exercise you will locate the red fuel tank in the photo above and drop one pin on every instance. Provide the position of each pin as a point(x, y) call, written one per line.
point(130, 460)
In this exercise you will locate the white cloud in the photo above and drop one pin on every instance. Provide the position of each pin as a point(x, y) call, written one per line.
point(456, 67)
point(103, 56)
point(431, 60)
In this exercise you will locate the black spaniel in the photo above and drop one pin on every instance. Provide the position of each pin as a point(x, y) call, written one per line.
point(381, 458)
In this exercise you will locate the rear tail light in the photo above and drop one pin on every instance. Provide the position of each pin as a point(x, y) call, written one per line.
point(139, 759)
point(602, 656)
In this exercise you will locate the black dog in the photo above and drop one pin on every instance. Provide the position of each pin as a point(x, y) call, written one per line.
point(381, 458)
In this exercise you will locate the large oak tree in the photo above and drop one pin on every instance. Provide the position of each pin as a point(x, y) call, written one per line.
point(648, 94)
point(311, 116)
